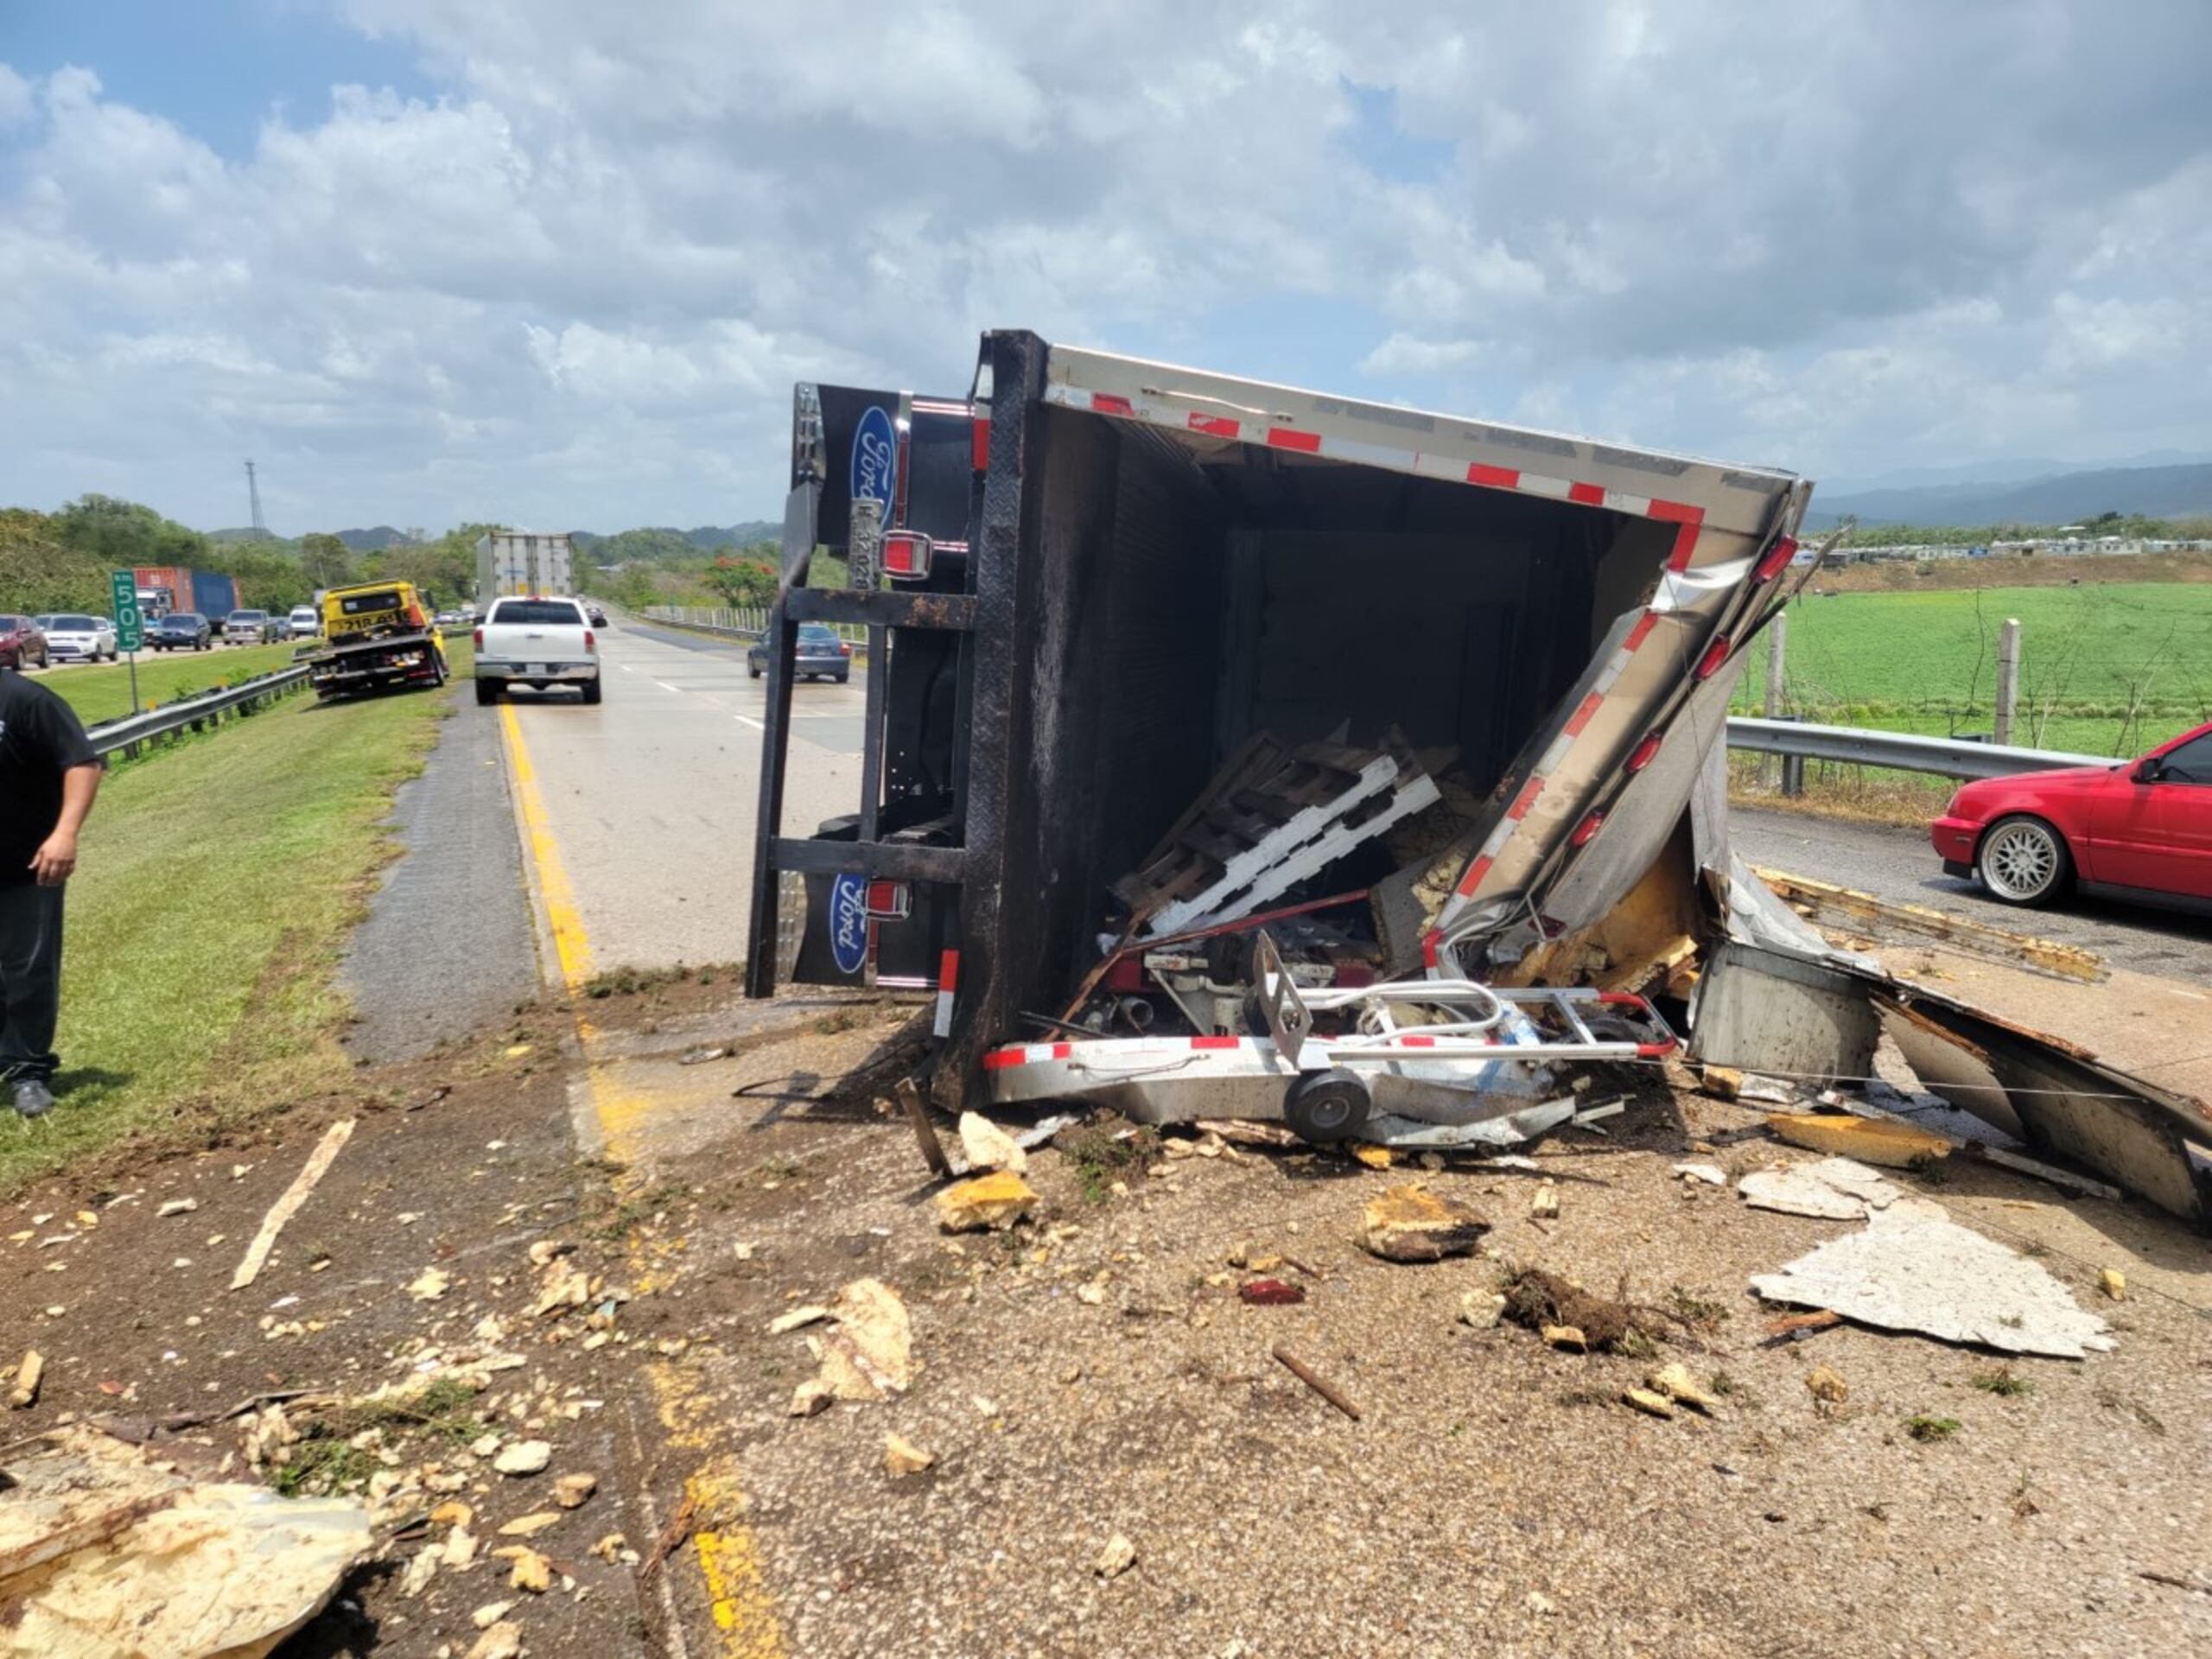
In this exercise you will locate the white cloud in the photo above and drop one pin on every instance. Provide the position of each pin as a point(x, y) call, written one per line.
point(574, 283)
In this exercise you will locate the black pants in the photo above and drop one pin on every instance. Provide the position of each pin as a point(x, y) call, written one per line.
point(30, 979)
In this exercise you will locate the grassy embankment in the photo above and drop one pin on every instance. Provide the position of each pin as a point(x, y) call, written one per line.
point(2105, 670)
point(104, 693)
point(219, 881)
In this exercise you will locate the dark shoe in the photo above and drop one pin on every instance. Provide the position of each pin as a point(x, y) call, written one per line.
point(33, 1099)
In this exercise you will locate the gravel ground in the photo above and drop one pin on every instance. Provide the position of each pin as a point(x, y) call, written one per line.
point(448, 945)
point(1496, 1495)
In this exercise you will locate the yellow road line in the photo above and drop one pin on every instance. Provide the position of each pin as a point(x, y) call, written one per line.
point(745, 1622)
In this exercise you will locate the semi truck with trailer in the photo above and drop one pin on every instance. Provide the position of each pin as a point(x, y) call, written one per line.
point(521, 564)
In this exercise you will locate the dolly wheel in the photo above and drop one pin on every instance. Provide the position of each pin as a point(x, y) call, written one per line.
point(1325, 1106)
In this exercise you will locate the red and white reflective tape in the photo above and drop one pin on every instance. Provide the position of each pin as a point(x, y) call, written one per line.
point(948, 979)
point(1690, 517)
point(999, 1059)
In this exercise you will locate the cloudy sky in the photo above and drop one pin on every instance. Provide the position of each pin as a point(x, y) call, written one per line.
point(558, 262)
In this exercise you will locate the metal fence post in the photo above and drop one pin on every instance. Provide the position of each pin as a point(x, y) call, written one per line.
point(1777, 641)
point(2008, 677)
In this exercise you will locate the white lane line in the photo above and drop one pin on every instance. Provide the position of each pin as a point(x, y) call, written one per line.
point(748, 721)
point(665, 686)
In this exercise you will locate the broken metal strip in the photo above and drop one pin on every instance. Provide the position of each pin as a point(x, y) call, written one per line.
point(1828, 902)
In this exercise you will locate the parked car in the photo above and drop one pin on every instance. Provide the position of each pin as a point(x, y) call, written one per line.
point(71, 637)
point(538, 642)
point(447, 618)
point(249, 628)
point(2135, 829)
point(820, 651)
point(306, 622)
point(181, 630)
point(22, 642)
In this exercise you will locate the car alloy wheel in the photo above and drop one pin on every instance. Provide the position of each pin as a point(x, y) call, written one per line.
point(2022, 860)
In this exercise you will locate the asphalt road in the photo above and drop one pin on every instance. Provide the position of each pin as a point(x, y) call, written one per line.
point(1900, 866)
point(650, 799)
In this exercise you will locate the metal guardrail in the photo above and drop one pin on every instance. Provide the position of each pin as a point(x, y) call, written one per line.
point(1948, 757)
point(128, 735)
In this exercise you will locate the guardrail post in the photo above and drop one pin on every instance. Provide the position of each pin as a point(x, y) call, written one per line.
point(1777, 641)
point(2008, 677)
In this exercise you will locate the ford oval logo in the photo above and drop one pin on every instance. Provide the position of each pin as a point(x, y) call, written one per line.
point(876, 459)
point(849, 921)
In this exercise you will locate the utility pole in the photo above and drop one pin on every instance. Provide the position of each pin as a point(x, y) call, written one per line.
point(1777, 639)
point(253, 496)
point(2008, 677)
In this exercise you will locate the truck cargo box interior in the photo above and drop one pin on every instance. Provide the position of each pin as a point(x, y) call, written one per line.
point(1194, 591)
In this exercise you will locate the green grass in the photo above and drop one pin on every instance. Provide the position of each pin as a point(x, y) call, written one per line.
point(216, 885)
point(2104, 670)
point(104, 693)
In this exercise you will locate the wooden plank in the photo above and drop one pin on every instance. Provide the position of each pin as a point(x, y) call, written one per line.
point(318, 1164)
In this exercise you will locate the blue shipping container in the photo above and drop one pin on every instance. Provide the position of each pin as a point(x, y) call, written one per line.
point(214, 596)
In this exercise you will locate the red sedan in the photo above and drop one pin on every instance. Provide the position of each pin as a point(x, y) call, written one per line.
point(2134, 829)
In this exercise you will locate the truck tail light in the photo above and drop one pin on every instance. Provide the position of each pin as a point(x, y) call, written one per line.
point(591, 641)
point(1640, 756)
point(890, 901)
point(480, 639)
point(1588, 828)
point(1715, 654)
point(1778, 559)
point(979, 443)
point(906, 555)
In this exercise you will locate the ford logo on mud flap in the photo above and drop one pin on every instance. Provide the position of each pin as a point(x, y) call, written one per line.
point(876, 459)
point(849, 918)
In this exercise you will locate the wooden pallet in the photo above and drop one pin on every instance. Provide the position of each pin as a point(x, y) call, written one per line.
point(1271, 817)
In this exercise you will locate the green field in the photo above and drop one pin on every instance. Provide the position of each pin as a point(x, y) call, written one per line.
point(218, 880)
point(2103, 670)
point(104, 693)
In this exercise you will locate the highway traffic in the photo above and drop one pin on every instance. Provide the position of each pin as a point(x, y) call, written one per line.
point(649, 799)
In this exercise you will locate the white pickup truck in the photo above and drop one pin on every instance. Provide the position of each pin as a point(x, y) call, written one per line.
point(538, 642)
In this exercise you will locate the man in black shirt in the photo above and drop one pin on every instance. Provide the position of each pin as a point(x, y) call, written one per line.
point(48, 776)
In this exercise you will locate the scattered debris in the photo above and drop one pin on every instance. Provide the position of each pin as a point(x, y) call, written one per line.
point(985, 1201)
point(489, 1614)
point(1570, 1337)
point(177, 1207)
point(909, 1094)
point(1312, 1379)
point(529, 1526)
point(1117, 1558)
point(430, 1284)
point(811, 1397)
point(1373, 1156)
point(1881, 1140)
point(812, 1313)
point(523, 1458)
point(1721, 1082)
point(1792, 1327)
point(701, 1056)
point(1931, 1429)
point(868, 1353)
point(564, 1286)
point(1834, 1189)
point(574, 1491)
point(1912, 1269)
point(318, 1165)
point(431, 1098)
point(673, 1532)
point(28, 1376)
point(1481, 1308)
point(902, 1457)
point(1675, 1382)
point(1270, 1293)
point(502, 1640)
point(1827, 1387)
point(103, 1553)
point(1711, 1175)
point(2114, 1283)
point(1543, 1202)
point(1650, 1402)
point(1411, 1223)
point(532, 1571)
point(1538, 1301)
point(1540, 1604)
point(986, 1145)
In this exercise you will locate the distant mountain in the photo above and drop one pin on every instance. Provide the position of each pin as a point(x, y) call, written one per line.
point(2156, 491)
point(245, 533)
point(665, 541)
point(371, 541)
point(2004, 470)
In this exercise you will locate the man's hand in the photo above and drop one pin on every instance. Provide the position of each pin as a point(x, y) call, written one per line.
point(56, 859)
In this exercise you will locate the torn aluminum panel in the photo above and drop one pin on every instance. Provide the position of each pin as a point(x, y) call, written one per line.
point(2055, 1095)
point(1911, 1267)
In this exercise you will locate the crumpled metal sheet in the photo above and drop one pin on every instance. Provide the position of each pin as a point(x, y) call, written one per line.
point(104, 1557)
point(1911, 1267)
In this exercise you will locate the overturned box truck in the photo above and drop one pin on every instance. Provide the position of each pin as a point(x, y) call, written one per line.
point(1237, 751)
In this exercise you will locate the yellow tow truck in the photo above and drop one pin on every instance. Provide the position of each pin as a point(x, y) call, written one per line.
point(376, 635)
